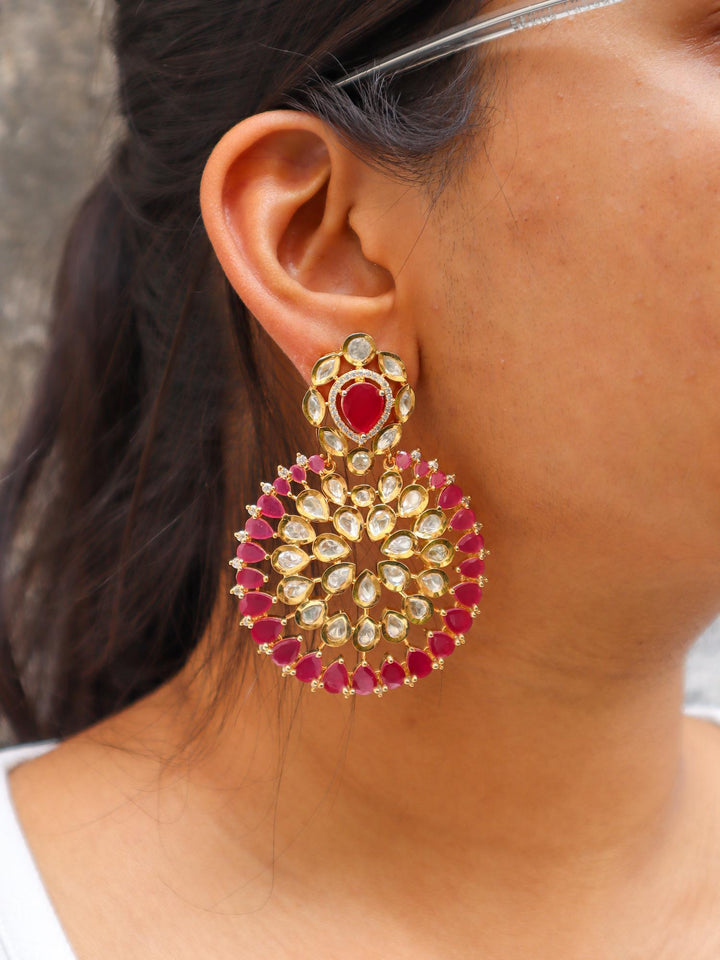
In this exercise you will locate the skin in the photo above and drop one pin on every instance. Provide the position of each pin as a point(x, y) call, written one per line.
point(558, 313)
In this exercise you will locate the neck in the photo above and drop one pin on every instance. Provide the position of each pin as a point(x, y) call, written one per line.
point(550, 756)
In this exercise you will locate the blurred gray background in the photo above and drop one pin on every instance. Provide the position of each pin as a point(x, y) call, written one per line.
point(56, 121)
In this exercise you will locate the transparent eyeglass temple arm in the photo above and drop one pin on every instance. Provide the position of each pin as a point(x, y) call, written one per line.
point(475, 32)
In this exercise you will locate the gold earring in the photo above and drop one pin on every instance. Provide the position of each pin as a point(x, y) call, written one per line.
point(304, 600)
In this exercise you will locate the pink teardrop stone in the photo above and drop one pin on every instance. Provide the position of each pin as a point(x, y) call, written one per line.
point(298, 473)
point(441, 644)
point(421, 468)
point(316, 463)
point(285, 651)
point(437, 479)
point(309, 668)
point(458, 620)
point(364, 680)
point(258, 528)
point(267, 630)
point(472, 567)
point(468, 594)
point(403, 460)
point(471, 543)
point(250, 552)
point(271, 506)
point(393, 674)
point(255, 604)
point(462, 519)
point(450, 496)
point(362, 405)
point(282, 486)
point(249, 578)
point(419, 663)
point(336, 678)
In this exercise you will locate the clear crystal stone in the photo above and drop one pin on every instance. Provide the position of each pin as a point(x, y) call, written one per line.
point(296, 530)
point(395, 576)
point(348, 522)
point(362, 496)
point(332, 441)
point(400, 544)
point(389, 486)
point(326, 369)
point(367, 634)
point(438, 552)
point(387, 438)
point(361, 461)
point(431, 524)
point(413, 500)
point(289, 559)
point(405, 402)
point(380, 522)
point(392, 366)
point(433, 582)
point(266, 487)
point(294, 589)
point(329, 547)
point(335, 488)
point(418, 609)
point(338, 577)
point(313, 406)
point(337, 630)
point(367, 589)
point(359, 349)
point(311, 613)
point(396, 626)
point(313, 505)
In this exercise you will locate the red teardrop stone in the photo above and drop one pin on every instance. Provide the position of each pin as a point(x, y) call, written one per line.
point(468, 594)
point(258, 528)
point(316, 463)
point(250, 552)
point(249, 578)
point(336, 678)
point(462, 519)
point(298, 473)
point(450, 496)
point(403, 460)
point(458, 620)
point(267, 630)
point(285, 651)
point(422, 468)
point(437, 479)
point(364, 680)
point(472, 567)
point(271, 506)
point(442, 644)
point(309, 668)
point(255, 604)
point(282, 486)
point(362, 405)
point(419, 663)
point(393, 674)
point(471, 543)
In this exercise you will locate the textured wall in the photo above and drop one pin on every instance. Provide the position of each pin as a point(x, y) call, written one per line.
point(55, 120)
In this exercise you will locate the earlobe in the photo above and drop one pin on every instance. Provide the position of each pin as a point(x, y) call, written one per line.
point(277, 198)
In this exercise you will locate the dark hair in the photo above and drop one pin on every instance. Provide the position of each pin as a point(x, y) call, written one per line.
point(161, 399)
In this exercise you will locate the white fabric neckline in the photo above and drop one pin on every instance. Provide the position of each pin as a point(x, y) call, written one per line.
point(30, 929)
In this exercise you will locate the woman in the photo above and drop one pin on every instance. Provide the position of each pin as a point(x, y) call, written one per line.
point(531, 227)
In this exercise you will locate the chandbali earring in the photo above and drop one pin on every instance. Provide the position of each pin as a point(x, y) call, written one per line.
point(345, 585)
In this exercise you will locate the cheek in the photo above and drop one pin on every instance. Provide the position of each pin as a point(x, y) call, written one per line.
point(587, 297)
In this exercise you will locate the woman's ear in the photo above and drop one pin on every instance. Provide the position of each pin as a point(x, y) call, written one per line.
point(308, 236)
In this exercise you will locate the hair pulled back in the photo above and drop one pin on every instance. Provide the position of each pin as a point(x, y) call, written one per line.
point(113, 504)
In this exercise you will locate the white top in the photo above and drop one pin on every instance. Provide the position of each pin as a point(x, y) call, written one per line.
point(29, 927)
